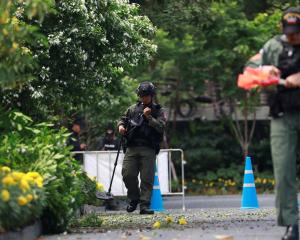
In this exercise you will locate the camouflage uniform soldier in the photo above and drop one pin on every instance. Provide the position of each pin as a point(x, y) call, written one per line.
point(143, 136)
point(280, 56)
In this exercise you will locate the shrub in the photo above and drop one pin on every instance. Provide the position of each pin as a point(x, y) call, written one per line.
point(40, 147)
point(22, 198)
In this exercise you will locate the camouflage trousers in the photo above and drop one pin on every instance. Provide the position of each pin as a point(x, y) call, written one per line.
point(139, 160)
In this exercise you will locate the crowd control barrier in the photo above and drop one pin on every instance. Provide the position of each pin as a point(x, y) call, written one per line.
point(100, 164)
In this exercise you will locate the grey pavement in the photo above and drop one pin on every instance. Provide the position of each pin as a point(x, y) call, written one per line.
point(223, 201)
point(207, 217)
point(244, 231)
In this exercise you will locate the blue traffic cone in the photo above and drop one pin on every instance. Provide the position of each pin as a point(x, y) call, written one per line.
point(249, 198)
point(156, 198)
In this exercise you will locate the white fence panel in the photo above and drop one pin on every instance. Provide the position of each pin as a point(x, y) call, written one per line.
point(100, 164)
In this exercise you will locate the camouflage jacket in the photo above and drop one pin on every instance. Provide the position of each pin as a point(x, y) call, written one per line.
point(153, 126)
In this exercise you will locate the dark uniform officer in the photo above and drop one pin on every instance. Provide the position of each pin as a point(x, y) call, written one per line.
point(144, 131)
point(280, 56)
point(109, 142)
point(73, 140)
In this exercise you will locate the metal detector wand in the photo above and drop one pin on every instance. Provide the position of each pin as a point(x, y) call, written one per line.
point(116, 163)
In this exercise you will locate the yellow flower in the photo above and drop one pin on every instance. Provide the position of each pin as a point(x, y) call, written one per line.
point(29, 197)
point(14, 20)
point(28, 179)
point(15, 45)
point(5, 169)
point(8, 180)
point(169, 219)
point(26, 50)
point(5, 32)
point(33, 175)
point(100, 187)
point(24, 186)
point(182, 221)
point(4, 18)
point(22, 201)
point(156, 225)
point(264, 181)
point(92, 178)
point(39, 182)
point(5, 195)
point(39, 179)
point(17, 175)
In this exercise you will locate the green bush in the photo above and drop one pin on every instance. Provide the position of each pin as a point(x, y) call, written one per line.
point(40, 147)
point(90, 220)
point(22, 198)
point(229, 181)
point(222, 181)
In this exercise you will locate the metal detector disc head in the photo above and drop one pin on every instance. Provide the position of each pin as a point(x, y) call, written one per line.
point(104, 195)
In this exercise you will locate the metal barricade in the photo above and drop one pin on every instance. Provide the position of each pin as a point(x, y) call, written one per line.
point(100, 164)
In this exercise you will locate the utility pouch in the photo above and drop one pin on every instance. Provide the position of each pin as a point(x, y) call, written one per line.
point(276, 109)
point(290, 100)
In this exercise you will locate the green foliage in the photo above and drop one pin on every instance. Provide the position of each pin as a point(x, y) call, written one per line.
point(210, 47)
point(206, 148)
point(39, 147)
point(92, 46)
point(229, 181)
point(108, 109)
point(212, 153)
point(17, 62)
point(91, 220)
point(178, 17)
point(22, 198)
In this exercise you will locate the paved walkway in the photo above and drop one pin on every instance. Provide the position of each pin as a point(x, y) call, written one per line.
point(202, 224)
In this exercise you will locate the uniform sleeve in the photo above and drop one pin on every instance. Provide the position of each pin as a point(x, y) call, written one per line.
point(74, 142)
point(101, 144)
point(268, 55)
point(255, 61)
point(124, 116)
point(158, 123)
point(271, 51)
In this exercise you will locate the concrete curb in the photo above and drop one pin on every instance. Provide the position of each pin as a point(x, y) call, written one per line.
point(31, 232)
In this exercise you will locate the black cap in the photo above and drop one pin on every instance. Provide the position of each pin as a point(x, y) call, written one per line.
point(291, 20)
point(110, 126)
point(79, 122)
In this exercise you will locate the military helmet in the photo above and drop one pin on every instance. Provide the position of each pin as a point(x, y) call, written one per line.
point(145, 89)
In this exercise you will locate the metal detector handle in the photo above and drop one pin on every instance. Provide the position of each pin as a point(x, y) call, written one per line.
point(116, 163)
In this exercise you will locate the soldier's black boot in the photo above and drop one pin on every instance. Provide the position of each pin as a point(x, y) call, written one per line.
point(292, 233)
point(146, 210)
point(132, 206)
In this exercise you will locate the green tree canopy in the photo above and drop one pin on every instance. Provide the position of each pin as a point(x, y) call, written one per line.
point(91, 46)
point(16, 60)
